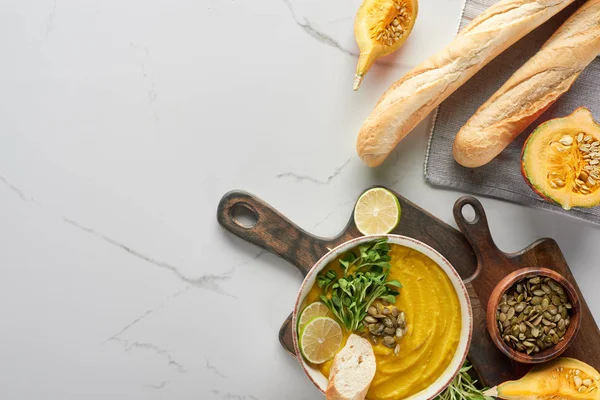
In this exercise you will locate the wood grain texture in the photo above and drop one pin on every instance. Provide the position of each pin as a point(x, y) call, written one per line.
point(473, 254)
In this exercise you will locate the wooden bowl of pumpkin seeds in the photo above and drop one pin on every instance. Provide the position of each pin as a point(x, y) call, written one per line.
point(533, 315)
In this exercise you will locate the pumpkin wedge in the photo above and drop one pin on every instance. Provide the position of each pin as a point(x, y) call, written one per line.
point(381, 27)
point(561, 160)
point(563, 378)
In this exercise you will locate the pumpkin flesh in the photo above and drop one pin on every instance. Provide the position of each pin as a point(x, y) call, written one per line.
point(563, 378)
point(561, 160)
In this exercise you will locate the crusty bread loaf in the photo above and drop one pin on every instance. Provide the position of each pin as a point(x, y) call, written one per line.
point(532, 89)
point(352, 371)
point(413, 97)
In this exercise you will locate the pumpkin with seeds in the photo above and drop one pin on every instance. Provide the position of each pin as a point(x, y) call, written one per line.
point(561, 160)
point(381, 27)
point(563, 378)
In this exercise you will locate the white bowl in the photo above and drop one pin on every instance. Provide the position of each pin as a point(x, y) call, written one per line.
point(462, 350)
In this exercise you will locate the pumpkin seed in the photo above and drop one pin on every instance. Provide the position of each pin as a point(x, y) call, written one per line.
point(546, 289)
point(401, 320)
point(529, 324)
point(556, 300)
point(389, 341)
point(511, 313)
point(372, 311)
point(538, 320)
point(545, 303)
point(523, 327)
point(557, 318)
point(389, 331)
point(519, 288)
point(563, 312)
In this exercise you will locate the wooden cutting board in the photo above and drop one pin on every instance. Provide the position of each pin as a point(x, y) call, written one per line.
point(472, 253)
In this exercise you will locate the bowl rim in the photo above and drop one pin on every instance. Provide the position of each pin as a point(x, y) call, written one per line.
point(424, 249)
point(505, 284)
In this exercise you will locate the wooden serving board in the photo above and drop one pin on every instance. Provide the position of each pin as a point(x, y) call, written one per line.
point(472, 253)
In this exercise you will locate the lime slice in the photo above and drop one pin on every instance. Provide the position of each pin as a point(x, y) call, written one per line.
point(377, 212)
point(312, 311)
point(320, 340)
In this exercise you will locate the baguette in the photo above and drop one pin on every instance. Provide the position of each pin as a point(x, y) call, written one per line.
point(352, 370)
point(413, 97)
point(531, 90)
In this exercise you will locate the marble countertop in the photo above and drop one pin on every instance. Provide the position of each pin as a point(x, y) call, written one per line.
point(121, 126)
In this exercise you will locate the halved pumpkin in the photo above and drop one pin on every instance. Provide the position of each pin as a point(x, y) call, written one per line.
point(563, 378)
point(561, 160)
point(381, 27)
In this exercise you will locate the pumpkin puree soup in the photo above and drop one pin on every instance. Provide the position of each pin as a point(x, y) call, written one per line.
point(433, 318)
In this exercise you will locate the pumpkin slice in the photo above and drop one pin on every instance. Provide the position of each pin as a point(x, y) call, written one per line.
point(561, 160)
point(381, 27)
point(563, 378)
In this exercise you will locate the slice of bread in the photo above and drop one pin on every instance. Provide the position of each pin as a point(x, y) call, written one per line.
point(352, 371)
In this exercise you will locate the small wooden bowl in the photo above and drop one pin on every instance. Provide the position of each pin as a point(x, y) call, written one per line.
point(552, 352)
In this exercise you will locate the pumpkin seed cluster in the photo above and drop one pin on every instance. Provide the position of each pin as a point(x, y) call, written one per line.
point(386, 324)
point(391, 33)
point(584, 173)
point(534, 314)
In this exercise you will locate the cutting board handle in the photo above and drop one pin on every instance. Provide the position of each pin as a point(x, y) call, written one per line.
point(477, 232)
point(251, 219)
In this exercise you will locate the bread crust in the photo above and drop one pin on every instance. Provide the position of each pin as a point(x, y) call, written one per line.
point(531, 90)
point(346, 360)
point(408, 101)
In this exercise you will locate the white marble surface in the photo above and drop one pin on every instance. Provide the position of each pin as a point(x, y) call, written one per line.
point(122, 123)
